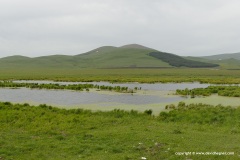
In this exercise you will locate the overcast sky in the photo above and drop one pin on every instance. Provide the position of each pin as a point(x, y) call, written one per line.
point(184, 27)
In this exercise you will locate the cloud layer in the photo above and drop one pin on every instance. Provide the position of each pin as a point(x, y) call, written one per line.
point(197, 27)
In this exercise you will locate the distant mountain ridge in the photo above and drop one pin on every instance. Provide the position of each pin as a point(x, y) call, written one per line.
point(127, 56)
point(223, 56)
point(16, 57)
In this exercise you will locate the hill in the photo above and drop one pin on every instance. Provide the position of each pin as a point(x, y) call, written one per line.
point(137, 46)
point(178, 61)
point(128, 56)
point(121, 57)
point(39, 62)
point(223, 56)
point(230, 63)
point(15, 58)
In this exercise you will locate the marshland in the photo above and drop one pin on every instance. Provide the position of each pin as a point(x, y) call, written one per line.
point(58, 118)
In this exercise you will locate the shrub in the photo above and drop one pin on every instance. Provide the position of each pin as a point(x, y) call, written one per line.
point(148, 112)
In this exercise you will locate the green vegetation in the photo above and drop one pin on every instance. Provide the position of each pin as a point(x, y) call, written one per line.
point(129, 56)
point(45, 132)
point(231, 64)
point(229, 91)
point(124, 75)
point(76, 87)
point(201, 114)
point(178, 61)
point(228, 63)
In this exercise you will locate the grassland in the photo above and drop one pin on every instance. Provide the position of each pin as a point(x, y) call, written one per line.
point(123, 75)
point(45, 132)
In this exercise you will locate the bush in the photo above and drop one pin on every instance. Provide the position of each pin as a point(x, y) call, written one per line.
point(202, 114)
point(148, 112)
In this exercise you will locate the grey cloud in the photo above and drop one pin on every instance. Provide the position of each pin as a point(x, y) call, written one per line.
point(34, 28)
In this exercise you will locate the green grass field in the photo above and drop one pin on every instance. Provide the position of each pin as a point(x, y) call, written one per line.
point(123, 75)
point(44, 132)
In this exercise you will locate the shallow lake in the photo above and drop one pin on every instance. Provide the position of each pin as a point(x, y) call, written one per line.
point(72, 98)
point(150, 94)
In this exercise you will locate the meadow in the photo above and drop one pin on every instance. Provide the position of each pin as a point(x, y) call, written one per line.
point(149, 75)
point(46, 132)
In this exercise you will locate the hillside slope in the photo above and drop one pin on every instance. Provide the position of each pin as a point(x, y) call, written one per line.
point(122, 57)
point(223, 56)
point(128, 56)
point(178, 61)
point(230, 63)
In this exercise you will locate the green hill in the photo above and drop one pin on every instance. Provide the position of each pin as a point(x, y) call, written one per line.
point(39, 62)
point(15, 58)
point(223, 56)
point(136, 46)
point(230, 63)
point(128, 56)
point(178, 61)
point(122, 57)
point(227, 61)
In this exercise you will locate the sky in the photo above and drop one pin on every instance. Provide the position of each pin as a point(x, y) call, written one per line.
point(184, 27)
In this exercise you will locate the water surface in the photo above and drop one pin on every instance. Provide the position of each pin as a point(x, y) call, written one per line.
point(149, 94)
point(66, 97)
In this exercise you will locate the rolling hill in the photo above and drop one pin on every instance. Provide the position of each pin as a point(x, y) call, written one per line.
point(178, 61)
point(128, 56)
point(226, 61)
point(136, 46)
point(223, 56)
